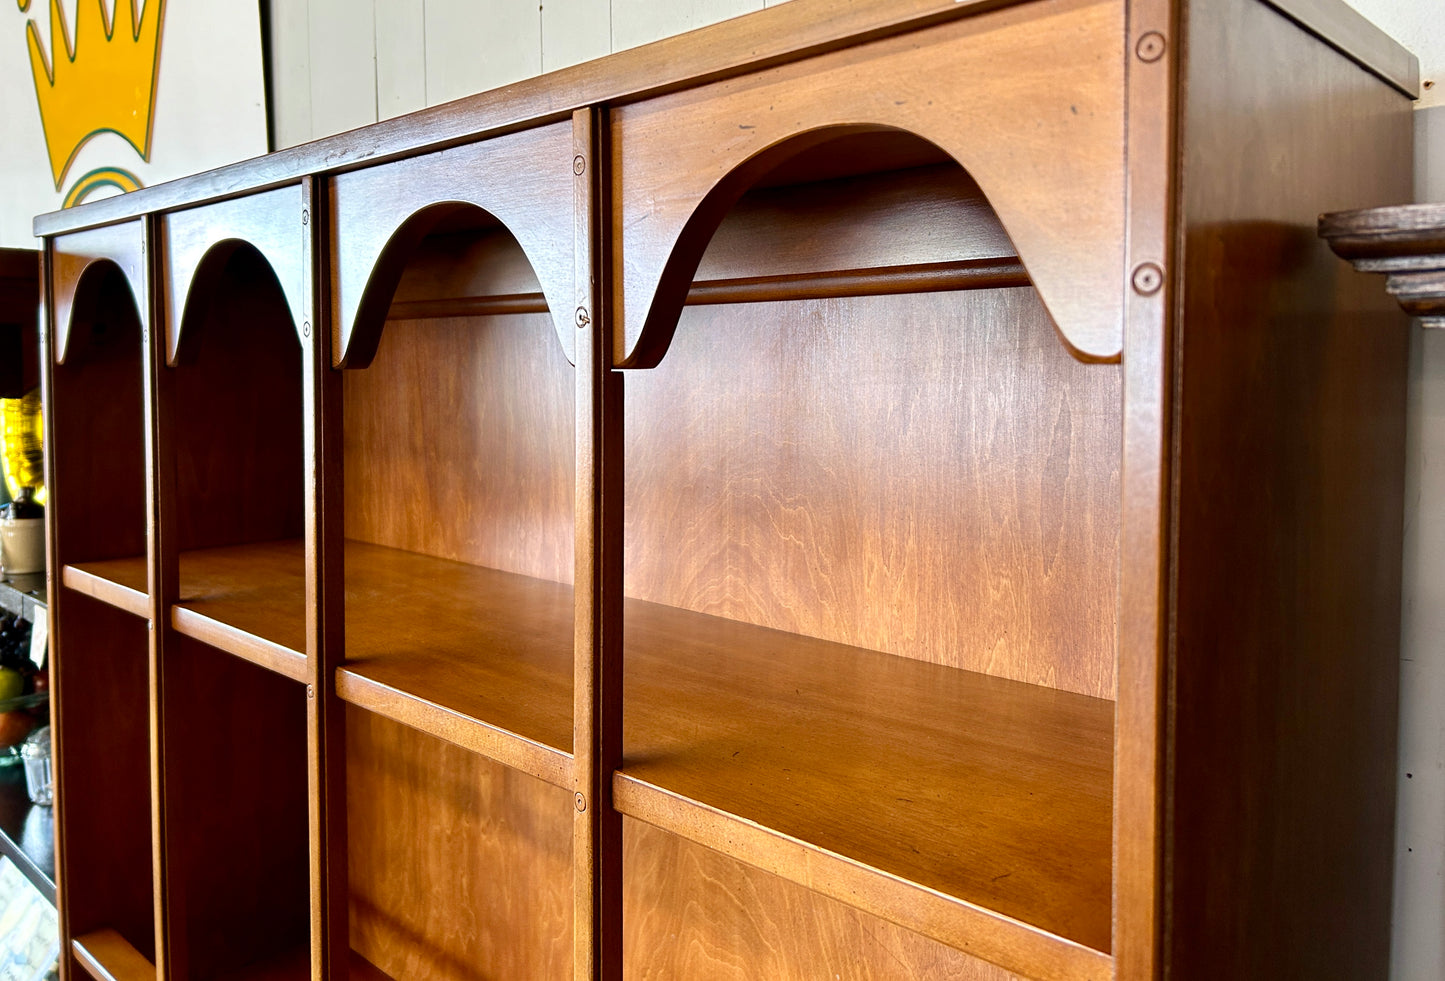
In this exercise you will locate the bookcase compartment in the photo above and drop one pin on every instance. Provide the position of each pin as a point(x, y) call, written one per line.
point(235, 786)
point(884, 666)
point(100, 675)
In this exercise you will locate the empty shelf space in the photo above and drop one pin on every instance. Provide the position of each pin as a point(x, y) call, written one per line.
point(248, 600)
point(477, 657)
point(107, 956)
point(122, 583)
point(848, 770)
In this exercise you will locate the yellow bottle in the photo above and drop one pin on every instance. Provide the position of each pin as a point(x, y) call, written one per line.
point(22, 434)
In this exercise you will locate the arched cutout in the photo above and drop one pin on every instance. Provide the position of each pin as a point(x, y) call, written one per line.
point(220, 271)
point(981, 254)
point(466, 222)
point(522, 181)
point(273, 224)
point(1049, 157)
point(121, 247)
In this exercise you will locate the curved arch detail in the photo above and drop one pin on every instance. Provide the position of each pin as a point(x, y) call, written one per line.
point(272, 223)
point(1049, 157)
point(72, 259)
point(523, 180)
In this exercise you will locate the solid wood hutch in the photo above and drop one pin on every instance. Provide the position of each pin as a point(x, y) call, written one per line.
point(872, 490)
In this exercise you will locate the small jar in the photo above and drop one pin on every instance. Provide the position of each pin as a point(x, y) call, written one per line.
point(35, 752)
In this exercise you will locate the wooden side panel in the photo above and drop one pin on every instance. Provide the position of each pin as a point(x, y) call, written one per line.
point(73, 254)
point(102, 691)
point(459, 444)
point(238, 452)
point(684, 158)
point(460, 868)
point(1290, 494)
point(694, 913)
point(932, 476)
point(235, 773)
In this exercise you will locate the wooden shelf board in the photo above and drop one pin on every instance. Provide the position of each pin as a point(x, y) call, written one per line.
point(121, 583)
point(248, 600)
point(477, 657)
point(854, 772)
point(995, 792)
point(27, 832)
point(107, 956)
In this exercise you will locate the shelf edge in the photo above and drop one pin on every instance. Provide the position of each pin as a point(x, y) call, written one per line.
point(107, 956)
point(499, 745)
point(974, 930)
point(107, 591)
point(233, 640)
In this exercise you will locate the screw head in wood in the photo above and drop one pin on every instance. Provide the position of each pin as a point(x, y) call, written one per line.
point(306, 328)
point(578, 165)
point(310, 691)
point(1150, 47)
point(581, 802)
point(582, 318)
point(1148, 278)
point(305, 216)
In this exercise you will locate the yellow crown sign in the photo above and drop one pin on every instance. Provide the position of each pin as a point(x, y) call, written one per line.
point(100, 81)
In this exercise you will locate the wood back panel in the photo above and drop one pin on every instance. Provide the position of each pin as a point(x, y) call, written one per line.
point(236, 785)
point(931, 475)
point(100, 674)
point(694, 913)
point(460, 867)
point(683, 159)
point(459, 444)
point(98, 425)
point(523, 180)
point(1289, 514)
point(238, 434)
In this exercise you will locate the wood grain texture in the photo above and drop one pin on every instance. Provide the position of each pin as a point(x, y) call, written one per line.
point(695, 913)
point(198, 242)
point(481, 471)
point(460, 868)
point(248, 600)
point(1293, 371)
point(107, 956)
point(238, 434)
point(120, 245)
point(118, 582)
point(235, 775)
point(103, 816)
point(1406, 242)
point(992, 791)
point(479, 658)
point(683, 159)
point(379, 215)
point(97, 423)
point(950, 491)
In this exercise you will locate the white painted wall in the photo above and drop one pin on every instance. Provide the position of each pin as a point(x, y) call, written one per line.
point(338, 64)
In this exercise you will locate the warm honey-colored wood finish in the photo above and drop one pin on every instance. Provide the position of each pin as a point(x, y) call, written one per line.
point(684, 159)
point(523, 180)
point(106, 956)
point(955, 591)
point(1305, 554)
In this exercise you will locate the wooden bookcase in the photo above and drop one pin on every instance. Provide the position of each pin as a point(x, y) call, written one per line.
point(894, 491)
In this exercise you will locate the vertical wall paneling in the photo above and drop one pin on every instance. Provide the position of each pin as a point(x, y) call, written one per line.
point(342, 38)
point(290, 107)
point(637, 22)
point(574, 31)
point(472, 47)
point(400, 57)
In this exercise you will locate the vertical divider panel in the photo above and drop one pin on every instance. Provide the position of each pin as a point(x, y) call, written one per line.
point(325, 598)
point(163, 559)
point(597, 661)
point(162, 570)
point(1152, 40)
